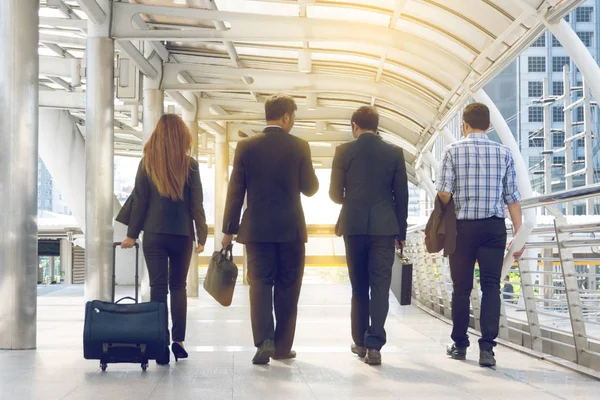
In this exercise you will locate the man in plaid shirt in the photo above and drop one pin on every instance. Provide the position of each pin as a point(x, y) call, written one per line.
point(479, 175)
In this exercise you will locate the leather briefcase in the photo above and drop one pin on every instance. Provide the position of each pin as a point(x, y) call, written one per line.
point(402, 278)
point(124, 333)
point(221, 276)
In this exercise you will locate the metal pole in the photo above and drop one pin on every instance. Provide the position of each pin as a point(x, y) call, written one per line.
point(589, 151)
point(99, 163)
point(221, 180)
point(18, 172)
point(190, 119)
point(568, 127)
point(547, 140)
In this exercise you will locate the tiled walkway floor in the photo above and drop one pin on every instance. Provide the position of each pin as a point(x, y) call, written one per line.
point(220, 344)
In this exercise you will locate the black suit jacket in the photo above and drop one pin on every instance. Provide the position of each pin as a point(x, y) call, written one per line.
point(273, 168)
point(368, 178)
point(151, 212)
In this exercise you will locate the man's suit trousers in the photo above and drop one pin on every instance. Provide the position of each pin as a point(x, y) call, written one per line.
point(370, 259)
point(275, 272)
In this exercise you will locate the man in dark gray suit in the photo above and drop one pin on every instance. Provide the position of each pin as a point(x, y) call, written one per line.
point(368, 178)
point(273, 168)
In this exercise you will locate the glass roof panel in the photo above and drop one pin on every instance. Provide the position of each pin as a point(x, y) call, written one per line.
point(259, 7)
point(348, 14)
point(434, 36)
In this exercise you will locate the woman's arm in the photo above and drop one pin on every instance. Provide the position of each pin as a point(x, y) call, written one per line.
point(141, 199)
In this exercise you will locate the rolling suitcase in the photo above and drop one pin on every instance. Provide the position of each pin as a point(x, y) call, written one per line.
point(124, 333)
point(221, 276)
point(402, 278)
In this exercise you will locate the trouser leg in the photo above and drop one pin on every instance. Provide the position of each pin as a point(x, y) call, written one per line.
point(157, 261)
point(288, 281)
point(381, 259)
point(180, 256)
point(262, 264)
point(462, 265)
point(357, 258)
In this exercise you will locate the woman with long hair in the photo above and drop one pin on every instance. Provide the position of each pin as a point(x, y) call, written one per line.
point(167, 200)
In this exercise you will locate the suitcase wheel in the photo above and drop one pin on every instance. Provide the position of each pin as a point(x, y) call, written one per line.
point(103, 366)
point(144, 366)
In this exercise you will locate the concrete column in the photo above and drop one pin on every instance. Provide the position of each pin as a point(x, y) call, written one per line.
point(99, 150)
point(153, 109)
point(221, 181)
point(153, 103)
point(66, 260)
point(190, 120)
point(18, 172)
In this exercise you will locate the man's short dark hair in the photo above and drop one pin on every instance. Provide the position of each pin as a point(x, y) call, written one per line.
point(366, 117)
point(279, 105)
point(477, 115)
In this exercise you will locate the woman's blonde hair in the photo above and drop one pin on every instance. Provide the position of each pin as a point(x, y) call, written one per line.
point(166, 156)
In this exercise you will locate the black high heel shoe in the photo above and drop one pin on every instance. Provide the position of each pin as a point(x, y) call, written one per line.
point(178, 351)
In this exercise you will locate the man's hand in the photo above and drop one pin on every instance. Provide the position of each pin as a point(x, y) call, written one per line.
point(516, 254)
point(227, 239)
point(199, 248)
point(400, 244)
point(128, 243)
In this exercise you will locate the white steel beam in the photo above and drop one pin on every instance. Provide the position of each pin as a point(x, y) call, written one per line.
point(138, 58)
point(259, 27)
point(64, 22)
point(93, 10)
point(578, 53)
point(407, 102)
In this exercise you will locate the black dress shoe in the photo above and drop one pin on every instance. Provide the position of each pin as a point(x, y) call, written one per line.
point(265, 351)
point(457, 353)
point(358, 350)
point(291, 354)
point(178, 351)
point(486, 358)
point(373, 357)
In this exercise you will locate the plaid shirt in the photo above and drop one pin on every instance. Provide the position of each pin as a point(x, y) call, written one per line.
point(481, 176)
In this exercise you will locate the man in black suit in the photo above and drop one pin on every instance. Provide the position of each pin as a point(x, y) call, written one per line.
point(368, 178)
point(273, 169)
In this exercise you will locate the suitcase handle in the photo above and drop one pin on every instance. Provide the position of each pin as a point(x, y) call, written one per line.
point(114, 268)
point(125, 298)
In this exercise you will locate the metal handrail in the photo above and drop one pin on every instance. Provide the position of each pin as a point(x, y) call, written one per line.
point(562, 196)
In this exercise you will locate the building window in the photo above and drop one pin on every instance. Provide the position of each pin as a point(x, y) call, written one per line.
point(580, 142)
point(536, 142)
point(559, 62)
point(580, 209)
point(557, 88)
point(536, 139)
point(558, 139)
point(584, 14)
point(558, 160)
point(540, 42)
point(579, 114)
point(536, 64)
point(586, 38)
point(558, 114)
point(536, 114)
point(535, 162)
point(567, 17)
point(555, 42)
point(535, 89)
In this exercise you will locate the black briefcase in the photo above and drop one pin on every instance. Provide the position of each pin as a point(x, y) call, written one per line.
point(124, 333)
point(402, 278)
point(221, 276)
